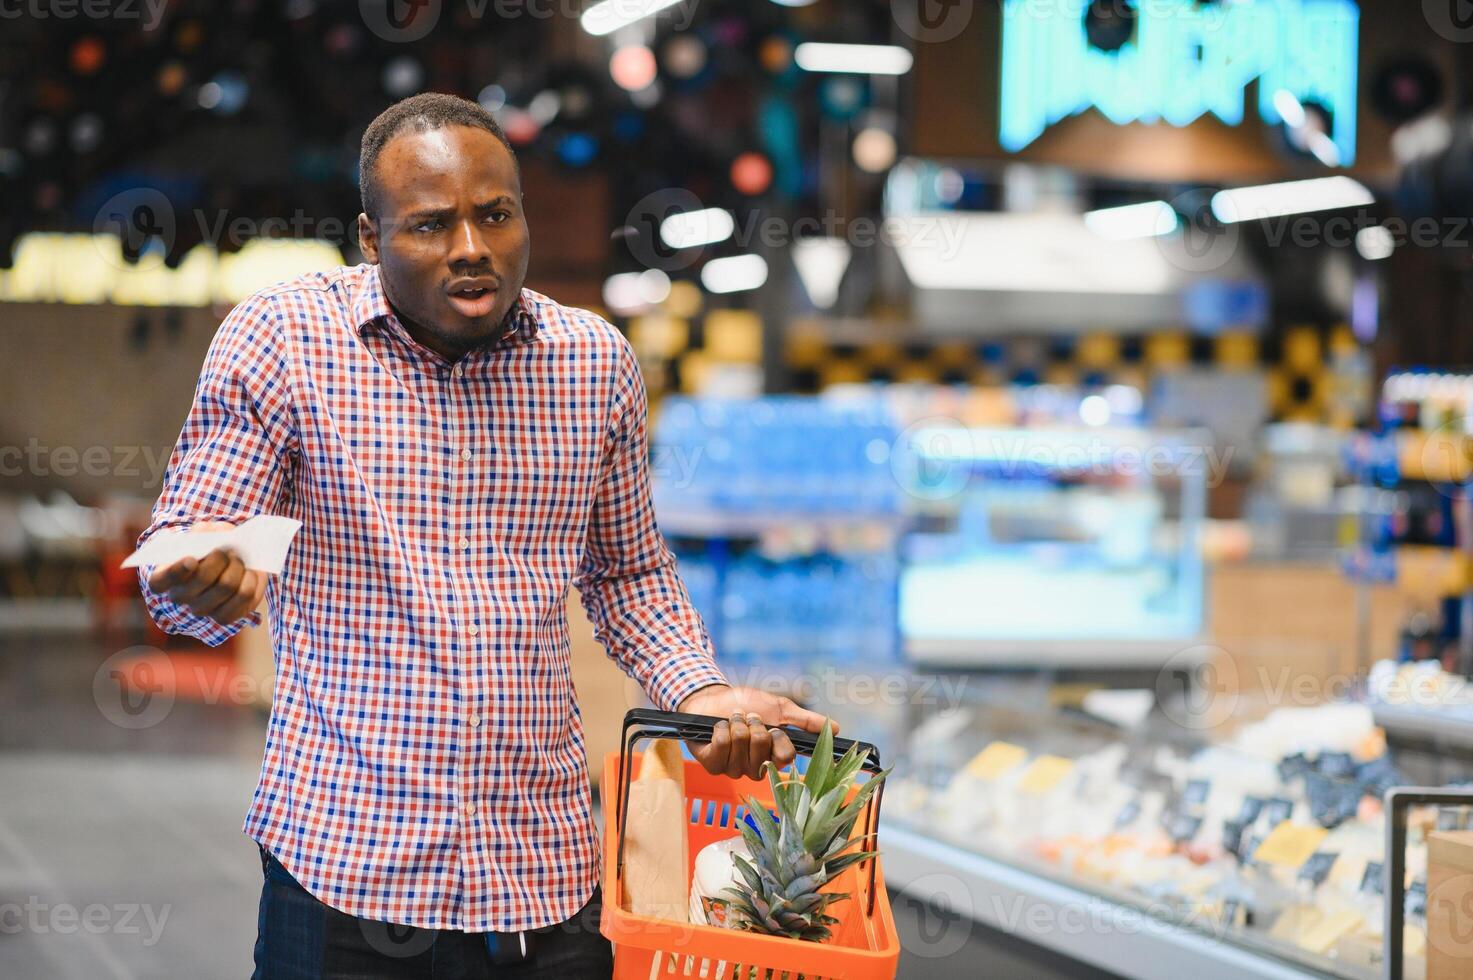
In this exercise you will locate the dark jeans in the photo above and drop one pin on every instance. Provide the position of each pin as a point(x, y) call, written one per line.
point(300, 938)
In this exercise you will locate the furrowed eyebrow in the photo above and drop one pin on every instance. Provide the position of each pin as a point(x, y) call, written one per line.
point(428, 213)
point(500, 200)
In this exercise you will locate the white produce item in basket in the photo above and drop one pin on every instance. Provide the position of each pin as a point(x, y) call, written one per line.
point(715, 872)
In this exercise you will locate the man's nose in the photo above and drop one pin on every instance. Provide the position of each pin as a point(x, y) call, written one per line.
point(468, 245)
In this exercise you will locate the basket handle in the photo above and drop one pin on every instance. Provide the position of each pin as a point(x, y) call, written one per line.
point(646, 723)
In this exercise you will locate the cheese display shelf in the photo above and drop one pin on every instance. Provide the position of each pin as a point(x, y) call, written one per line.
point(1156, 849)
point(1421, 704)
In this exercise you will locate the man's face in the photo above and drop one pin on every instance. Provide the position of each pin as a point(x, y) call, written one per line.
point(451, 241)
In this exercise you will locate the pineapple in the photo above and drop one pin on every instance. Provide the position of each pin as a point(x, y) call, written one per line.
point(794, 856)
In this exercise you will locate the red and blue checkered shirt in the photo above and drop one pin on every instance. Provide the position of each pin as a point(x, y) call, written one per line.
point(424, 760)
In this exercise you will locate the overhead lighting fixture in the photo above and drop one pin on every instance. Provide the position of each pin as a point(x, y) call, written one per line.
point(874, 150)
point(632, 67)
point(1133, 221)
point(628, 293)
point(734, 274)
point(1294, 197)
point(689, 229)
point(856, 59)
point(821, 263)
point(1306, 131)
point(1289, 108)
point(1323, 148)
point(1375, 243)
point(610, 15)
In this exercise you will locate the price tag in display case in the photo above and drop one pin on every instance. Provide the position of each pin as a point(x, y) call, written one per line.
point(1232, 838)
point(1289, 845)
point(1277, 810)
point(1338, 765)
point(1373, 881)
point(1292, 766)
point(1331, 801)
point(1045, 772)
point(996, 760)
point(1416, 900)
point(1128, 814)
point(1252, 807)
point(1235, 914)
point(1317, 868)
point(1183, 827)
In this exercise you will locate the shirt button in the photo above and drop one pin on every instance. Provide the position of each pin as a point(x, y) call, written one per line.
point(459, 371)
point(470, 809)
point(474, 721)
point(464, 543)
point(465, 454)
point(472, 629)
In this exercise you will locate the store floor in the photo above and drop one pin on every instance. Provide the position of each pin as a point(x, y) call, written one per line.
point(121, 854)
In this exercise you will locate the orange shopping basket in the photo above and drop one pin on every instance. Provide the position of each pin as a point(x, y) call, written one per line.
point(864, 945)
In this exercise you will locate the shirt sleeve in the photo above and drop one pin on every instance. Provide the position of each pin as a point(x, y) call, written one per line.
point(234, 452)
point(639, 607)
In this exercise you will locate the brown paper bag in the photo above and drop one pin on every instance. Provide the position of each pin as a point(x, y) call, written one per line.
point(1450, 905)
point(656, 844)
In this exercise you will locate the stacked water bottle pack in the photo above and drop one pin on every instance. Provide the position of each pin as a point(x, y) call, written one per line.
point(782, 455)
point(737, 481)
point(821, 609)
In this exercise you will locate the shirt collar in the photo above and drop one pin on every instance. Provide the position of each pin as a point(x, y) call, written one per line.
point(371, 306)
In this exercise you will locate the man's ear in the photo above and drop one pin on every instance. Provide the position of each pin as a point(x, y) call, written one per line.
point(368, 239)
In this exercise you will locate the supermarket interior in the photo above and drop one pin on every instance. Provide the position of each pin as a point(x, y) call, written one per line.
point(1070, 398)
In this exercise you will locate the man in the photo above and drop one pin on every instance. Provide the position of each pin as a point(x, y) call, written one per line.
point(460, 451)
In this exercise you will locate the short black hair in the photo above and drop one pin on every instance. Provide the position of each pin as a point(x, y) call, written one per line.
point(419, 114)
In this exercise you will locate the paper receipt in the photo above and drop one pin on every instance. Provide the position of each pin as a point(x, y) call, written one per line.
point(261, 542)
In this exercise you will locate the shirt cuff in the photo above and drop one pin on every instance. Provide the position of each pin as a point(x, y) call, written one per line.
point(680, 676)
point(174, 618)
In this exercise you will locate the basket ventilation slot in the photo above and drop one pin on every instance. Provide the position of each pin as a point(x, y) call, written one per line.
point(677, 965)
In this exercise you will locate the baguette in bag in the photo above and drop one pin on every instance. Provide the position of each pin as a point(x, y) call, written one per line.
point(656, 837)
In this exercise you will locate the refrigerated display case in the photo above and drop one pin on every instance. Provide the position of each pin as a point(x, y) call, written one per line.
point(1085, 543)
point(1150, 848)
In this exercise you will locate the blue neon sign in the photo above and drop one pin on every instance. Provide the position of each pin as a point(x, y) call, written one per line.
point(1186, 60)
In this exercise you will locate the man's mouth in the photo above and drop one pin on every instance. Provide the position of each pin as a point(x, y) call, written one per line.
point(472, 300)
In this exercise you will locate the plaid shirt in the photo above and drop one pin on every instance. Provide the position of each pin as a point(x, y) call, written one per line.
point(424, 760)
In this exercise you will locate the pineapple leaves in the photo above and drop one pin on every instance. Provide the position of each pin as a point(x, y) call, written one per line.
point(796, 848)
point(822, 761)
